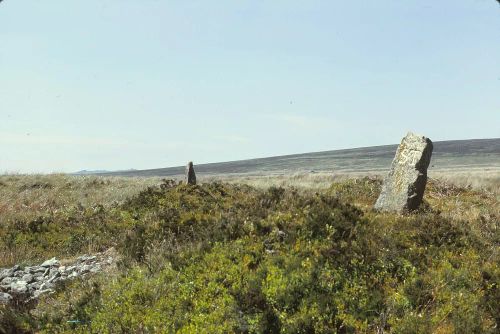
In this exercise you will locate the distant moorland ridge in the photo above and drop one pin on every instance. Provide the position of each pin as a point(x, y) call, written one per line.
point(452, 154)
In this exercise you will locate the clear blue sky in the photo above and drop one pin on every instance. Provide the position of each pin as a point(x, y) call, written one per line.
point(101, 84)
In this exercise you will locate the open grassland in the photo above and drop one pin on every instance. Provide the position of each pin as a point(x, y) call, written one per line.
point(303, 253)
point(477, 179)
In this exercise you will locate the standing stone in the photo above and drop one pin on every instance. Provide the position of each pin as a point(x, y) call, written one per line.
point(403, 188)
point(190, 175)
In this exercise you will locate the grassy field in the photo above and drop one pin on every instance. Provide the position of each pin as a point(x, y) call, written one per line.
point(487, 181)
point(299, 254)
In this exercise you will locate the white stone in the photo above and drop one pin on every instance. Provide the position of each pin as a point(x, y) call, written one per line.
point(50, 263)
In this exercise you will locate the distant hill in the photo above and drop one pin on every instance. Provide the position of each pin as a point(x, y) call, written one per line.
point(91, 172)
point(102, 171)
point(453, 154)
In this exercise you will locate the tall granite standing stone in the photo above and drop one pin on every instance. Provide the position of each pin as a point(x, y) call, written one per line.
point(190, 174)
point(403, 188)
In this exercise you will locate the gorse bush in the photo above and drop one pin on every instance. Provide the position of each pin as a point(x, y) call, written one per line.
point(220, 258)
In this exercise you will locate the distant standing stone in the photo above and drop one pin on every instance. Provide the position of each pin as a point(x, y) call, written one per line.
point(403, 188)
point(190, 174)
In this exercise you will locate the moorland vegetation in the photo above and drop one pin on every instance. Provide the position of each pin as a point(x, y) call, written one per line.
point(234, 258)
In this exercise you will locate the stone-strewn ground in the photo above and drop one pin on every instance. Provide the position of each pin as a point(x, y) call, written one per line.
point(28, 283)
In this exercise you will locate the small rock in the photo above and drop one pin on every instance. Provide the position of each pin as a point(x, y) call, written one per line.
point(4, 273)
point(74, 274)
point(19, 287)
point(34, 286)
point(86, 258)
point(85, 268)
point(54, 277)
point(38, 276)
point(8, 280)
point(70, 268)
point(28, 278)
point(50, 263)
point(8, 273)
point(53, 272)
point(29, 270)
point(38, 269)
point(95, 269)
point(19, 274)
point(47, 286)
point(37, 293)
point(5, 298)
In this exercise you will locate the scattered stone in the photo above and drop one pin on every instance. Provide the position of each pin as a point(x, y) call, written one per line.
point(28, 270)
point(4, 273)
point(47, 286)
point(35, 286)
point(70, 269)
point(19, 274)
point(86, 258)
point(29, 283)
point(38, 275)
point(190, 174)
point(50, 263)
point(54, 277)
point(74, 274)
point(404, 186)
point(39, 269)
point(19, 287)
point(53, 272)
point(5, 298)
point(8, 280)
point(95, 269)
point(28, 278)
point(8, 272)
point(37, 293)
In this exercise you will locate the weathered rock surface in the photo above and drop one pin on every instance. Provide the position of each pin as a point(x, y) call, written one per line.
point(50, 263)
point(5, 298)
point(190, 174)
point(404, 186)
point(24, 284)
